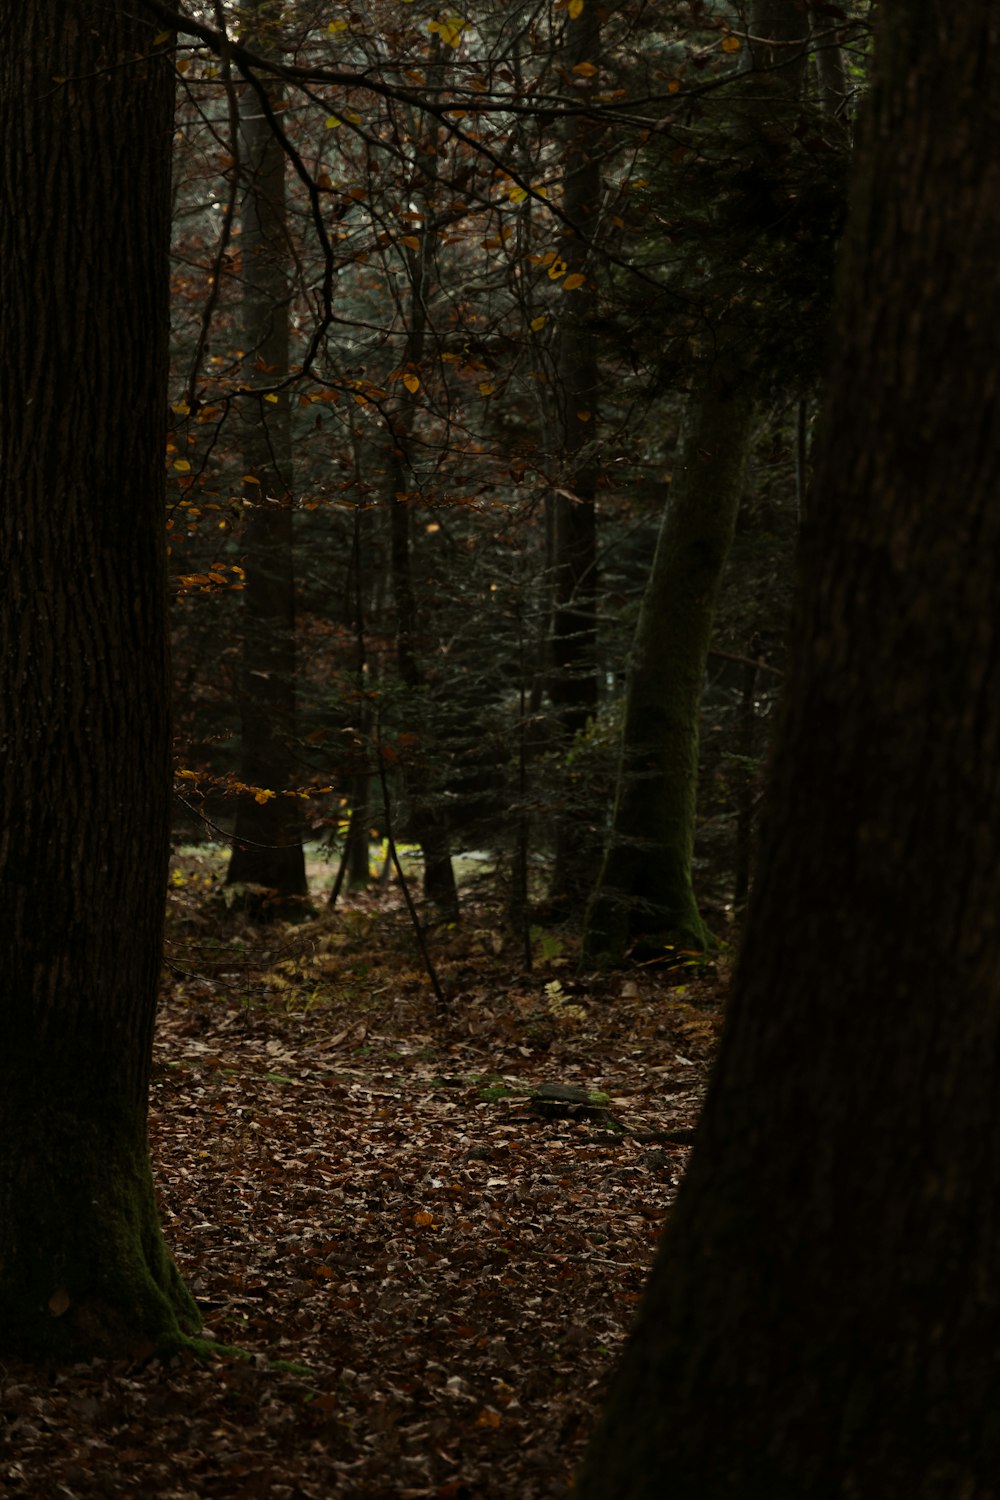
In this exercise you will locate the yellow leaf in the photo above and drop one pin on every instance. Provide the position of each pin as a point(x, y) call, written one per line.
point(161, 37)
point(412, 383)
point(572, 282)
point(575, 9)
point(449, 29)
point(272, 398)
point(188, 775)
point(558, 268)
point(486, 389)
point(516, 194)
point(410, 241)
point(182, 466)
point(488, 1418)
point(585, 69)
point(336, 26)
point(181, 408)
point(333, 122)
point(537, 324)
point(731, 44)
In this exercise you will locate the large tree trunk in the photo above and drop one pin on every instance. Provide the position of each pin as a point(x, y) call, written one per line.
point(267, 839)
point(86, 111)
point(824, 1317)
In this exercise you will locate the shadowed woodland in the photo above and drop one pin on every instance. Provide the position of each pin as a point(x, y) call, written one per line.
point(499, 706)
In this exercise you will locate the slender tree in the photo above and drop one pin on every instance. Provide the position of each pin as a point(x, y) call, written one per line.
point(824, 1315)
point(428, 823)
point(267, 841)
point(86, 90)
point(644, 900)
point(573, 685)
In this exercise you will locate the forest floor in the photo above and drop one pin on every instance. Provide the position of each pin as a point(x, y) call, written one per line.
point(430, 1281)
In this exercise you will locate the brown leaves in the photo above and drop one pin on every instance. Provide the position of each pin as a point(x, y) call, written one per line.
point(349, 1187)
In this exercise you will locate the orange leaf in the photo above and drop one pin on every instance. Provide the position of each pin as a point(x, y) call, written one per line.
point(572, 282)
point(411, 382)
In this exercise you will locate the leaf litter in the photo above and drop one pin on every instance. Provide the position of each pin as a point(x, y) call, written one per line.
point(431, 1283)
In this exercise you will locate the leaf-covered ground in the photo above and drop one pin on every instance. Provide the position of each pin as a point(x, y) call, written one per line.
point(431, 1281)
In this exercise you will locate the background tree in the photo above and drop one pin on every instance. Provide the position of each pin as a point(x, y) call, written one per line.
point(644, 899)
point(88, 89)
point(429, 155)
point(823, 1317)
point(573, 681)
point(267, 836)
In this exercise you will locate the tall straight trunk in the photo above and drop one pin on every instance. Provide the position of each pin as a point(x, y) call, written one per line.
point(84, 682)
point(824, 1316)
point(573, 685)
point(831, 70)
point(267, 838)
point(428, 823)
point(644, 900)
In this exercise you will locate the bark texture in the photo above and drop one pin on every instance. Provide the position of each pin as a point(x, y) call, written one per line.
point(86, 116)
point(267, 839)
point(824, 1317)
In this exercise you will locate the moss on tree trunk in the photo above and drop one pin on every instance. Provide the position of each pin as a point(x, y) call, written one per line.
point(84, 676)
point(84, 1269)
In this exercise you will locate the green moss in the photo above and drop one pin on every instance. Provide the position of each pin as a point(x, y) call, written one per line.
point(84, 1268)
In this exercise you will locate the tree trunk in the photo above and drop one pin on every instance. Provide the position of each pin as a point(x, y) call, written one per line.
point(428, 822)
point(824, 1316)
point(645, 899)
point(573, 685)
point(84, 683)
point(267, 839)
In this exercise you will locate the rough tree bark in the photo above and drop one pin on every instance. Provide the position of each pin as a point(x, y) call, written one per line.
point(267, 838)
point(86, 116)
point(824, 1316)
